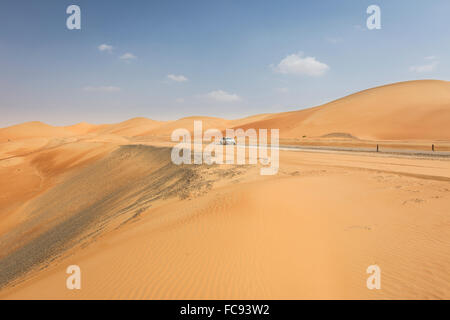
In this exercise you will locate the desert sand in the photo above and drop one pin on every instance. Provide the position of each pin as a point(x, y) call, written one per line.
point(401, 111)
point(108, 199)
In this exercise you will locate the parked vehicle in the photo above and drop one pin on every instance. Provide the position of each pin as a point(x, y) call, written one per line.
point(226, 140)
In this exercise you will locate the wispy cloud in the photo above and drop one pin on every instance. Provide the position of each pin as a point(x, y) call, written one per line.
point(297, 64)
point(427, 67)
point(105, 47)
point(107, 89)
point(128, 56)
point(177, 78)
point(222, 96)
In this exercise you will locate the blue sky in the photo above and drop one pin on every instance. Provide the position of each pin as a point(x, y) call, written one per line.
point(169, 59)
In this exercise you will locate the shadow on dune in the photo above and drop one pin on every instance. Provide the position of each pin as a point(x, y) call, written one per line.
point(123, 184)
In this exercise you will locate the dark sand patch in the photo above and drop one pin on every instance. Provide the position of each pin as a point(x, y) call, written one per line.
point(123, 184)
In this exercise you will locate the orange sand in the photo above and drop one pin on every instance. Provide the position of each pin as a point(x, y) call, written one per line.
point(225, 232)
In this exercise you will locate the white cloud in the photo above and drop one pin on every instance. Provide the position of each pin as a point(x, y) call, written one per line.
point(105, 47)
point(299, 65)
point(179, 100)
point(177, 78)
point(222, 96)
point(101, 89)
point(425, 68)
point(128, 56)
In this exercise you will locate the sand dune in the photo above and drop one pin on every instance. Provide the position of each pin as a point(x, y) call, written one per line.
point(413, 110)
point(32, 130)
point(301, 234)
point(167, 128)
point(401, 111)
point(38, 171)
point(131, 127)
point(109, 199)
point(71, 206)
point(84, 128)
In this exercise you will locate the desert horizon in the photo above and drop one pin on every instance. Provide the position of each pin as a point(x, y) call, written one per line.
point(224, 158)
point(108, 199)
point(429, 97)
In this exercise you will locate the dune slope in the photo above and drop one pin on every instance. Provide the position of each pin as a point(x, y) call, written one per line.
point(121, 185)
point(32, 129)
point(109, 199)
point(301, 234)
point(400, 111)
point(412, 110)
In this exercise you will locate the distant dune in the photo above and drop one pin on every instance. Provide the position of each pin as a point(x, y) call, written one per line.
point(412, 110)
point(109, 199)
point(32, 129)
point(166, 128)
point(84, 128)
point(405, 110)
point(130, 128)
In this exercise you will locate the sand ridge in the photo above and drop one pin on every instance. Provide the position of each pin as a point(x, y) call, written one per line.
point(381, 113)
point(287, 242)
point(109, 199)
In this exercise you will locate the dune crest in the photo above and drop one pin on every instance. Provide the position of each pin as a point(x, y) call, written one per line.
point(411, 110)
point(109, 199)
point(400, 111)
point(32, 129)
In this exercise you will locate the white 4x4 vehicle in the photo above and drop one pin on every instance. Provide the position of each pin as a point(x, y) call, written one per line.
point(227, 140)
